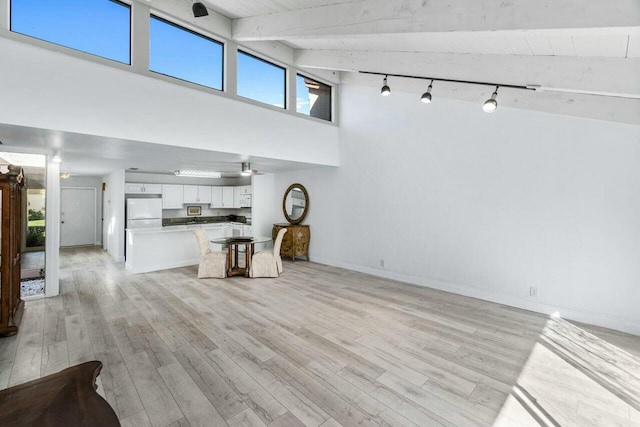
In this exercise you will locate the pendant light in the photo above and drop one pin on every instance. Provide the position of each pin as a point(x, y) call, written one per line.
point(491, 105)
point(386, 90)
point(426, 97)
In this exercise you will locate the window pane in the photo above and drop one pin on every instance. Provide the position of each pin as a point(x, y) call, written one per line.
point(98, 27)
point(261, 80)
point(180, 53)
point(313, 98)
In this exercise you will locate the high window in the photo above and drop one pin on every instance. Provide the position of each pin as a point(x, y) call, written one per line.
point(184, 54)
point(261, 80)
point(98, 27)
point(313, 98)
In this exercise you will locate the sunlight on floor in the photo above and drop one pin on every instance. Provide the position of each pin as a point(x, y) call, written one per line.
point(573, 378)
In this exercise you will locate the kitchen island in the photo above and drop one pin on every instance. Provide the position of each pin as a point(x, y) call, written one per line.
point(153, 249)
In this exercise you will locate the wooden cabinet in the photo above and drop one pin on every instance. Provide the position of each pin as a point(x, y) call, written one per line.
point(11, 193)
point(222, 197)
point(172, 196)
point(140, 188)
point(197, 194)
point(295, 242)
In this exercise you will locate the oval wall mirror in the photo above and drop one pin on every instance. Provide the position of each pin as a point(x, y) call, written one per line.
point(295, 203)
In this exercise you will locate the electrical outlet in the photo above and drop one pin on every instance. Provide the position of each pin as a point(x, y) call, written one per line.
point(533, 291)
point(381, 263)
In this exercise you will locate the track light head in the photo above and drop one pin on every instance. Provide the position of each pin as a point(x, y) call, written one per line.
point(386, 90)
point(491, 105)
point(426, 97)
point(199, 10)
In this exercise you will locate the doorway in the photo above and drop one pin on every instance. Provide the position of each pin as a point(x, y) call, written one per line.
point(77, 216)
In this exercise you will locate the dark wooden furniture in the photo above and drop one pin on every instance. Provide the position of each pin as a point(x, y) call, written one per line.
point(11, 189)
point(296, 240)
point(233, 247)
point(67, 398)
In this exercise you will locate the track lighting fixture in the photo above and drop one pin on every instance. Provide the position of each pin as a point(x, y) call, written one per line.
point(199, 10)
point(491, 105)
point(426, 97)
point(386, 90)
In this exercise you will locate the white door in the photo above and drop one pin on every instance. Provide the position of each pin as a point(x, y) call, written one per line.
point(77, 216)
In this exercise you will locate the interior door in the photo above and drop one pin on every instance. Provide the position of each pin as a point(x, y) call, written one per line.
point(77, 216)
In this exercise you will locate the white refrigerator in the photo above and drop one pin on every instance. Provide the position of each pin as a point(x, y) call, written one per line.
point(144, 213)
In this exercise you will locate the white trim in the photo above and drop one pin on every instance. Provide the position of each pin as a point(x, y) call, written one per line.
point(95, 209)
point(52, 240)
point(604, 320)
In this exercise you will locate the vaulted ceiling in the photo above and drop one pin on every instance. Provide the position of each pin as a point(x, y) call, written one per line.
point(582, 56)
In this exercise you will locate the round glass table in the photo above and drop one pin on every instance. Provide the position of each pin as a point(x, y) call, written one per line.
point(233, 245)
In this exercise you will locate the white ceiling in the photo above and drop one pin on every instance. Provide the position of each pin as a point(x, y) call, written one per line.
point(89, 155)
point(586, 56)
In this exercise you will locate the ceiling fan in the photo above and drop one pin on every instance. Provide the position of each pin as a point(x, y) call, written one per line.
point(247, 171)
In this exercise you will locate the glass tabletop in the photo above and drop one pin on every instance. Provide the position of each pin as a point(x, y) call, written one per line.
point(242, 240)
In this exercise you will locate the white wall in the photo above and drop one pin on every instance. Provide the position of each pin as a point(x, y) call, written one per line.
point(114, 215)
point(485, 205)
point(263, 201)
point(51, 90)
point(89, 182)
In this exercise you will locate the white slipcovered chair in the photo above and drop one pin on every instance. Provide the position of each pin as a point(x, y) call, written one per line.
point(212, 263)
point(268, 263)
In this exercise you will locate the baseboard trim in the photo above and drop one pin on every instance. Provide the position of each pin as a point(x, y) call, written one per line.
point(151, 268)
point(604, 320)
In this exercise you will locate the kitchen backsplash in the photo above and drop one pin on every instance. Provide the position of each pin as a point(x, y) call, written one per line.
point(206, 212)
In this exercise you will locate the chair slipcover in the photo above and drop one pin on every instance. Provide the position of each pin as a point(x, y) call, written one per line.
point(212, 263)
point(268, 263)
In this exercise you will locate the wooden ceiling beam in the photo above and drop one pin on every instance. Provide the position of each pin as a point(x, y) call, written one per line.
point(616, 77)
point(422, 16)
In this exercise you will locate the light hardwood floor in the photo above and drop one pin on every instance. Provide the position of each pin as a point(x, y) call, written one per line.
point(320, 346)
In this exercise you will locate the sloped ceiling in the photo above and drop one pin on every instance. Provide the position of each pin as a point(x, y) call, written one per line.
point(583, 56)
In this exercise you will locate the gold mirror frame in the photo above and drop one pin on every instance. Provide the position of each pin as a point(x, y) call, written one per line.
point(306, 204)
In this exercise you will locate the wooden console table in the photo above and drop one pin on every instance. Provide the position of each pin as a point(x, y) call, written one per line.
point(296, 240)
point(67, 398)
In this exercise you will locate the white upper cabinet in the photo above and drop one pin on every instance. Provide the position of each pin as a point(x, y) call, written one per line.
point(140, 188)
point(172, 196)
point(197, 194)
point(222, 197)
point(227, 197)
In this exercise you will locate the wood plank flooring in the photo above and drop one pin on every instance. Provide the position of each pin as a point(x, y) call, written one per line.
point(320, 346)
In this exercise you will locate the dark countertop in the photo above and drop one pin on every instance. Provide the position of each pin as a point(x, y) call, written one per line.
point(203, 220)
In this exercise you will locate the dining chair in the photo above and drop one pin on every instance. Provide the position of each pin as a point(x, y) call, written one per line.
point(212, 263)
point(268, 263)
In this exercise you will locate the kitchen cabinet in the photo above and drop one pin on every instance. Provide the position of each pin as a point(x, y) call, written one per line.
point(141, 188)
point(197, 194)
point(172, 196)
point(247, 230)
point(242, 196)
point(222, 197)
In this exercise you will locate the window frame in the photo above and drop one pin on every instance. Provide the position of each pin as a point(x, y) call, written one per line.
point(285, 86)
point(222, 44)
point(124, 3)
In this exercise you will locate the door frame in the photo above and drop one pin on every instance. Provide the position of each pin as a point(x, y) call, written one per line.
point(95, 211)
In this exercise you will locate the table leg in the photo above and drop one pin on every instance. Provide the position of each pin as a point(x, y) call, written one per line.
point(248, 252)
point(229, 264)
